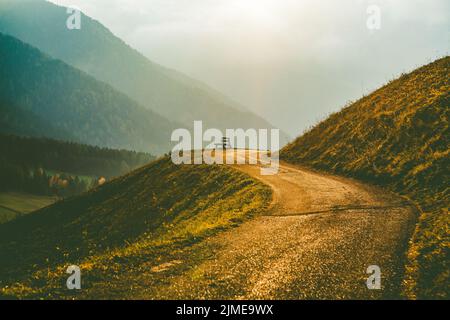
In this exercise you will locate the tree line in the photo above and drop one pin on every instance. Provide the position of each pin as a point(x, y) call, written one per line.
point(50, 167)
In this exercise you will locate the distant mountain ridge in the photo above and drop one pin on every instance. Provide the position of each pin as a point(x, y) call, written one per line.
point(95, 50)
point(76, 106)
point(398, 137)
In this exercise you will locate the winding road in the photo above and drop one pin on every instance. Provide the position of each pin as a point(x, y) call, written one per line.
point(316, 242)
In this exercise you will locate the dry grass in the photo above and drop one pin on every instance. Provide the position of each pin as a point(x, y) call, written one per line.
point(397, 137)
point(115, 229)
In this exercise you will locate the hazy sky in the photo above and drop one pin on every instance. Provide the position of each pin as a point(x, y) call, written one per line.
point(292, 61)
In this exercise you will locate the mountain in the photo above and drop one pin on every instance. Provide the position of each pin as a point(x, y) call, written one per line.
point(397, 137)
point(95, 50)
point(13, 119)
point(123, 226)
point(77, 106)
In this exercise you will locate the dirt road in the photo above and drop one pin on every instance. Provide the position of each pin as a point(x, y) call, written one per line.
point(316, 242)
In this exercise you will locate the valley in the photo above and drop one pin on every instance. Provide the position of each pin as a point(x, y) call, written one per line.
point(92, 180)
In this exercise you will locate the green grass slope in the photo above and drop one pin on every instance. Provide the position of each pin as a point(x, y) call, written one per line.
point(397, 137)
point(148, 213)
point(15, 204)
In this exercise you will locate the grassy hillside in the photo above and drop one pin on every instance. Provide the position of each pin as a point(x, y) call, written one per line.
point(14, 204)
point(95, 50)
point(397, 137)
point(72, 101)
point(113, 229)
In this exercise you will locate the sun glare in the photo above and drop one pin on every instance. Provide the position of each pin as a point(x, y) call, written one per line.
point(255, 13)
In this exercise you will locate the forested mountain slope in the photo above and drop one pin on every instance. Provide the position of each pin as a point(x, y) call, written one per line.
point(95, 50)
point(44, 167)
point(70, 157)
point(15, 120)
point(77, 106)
